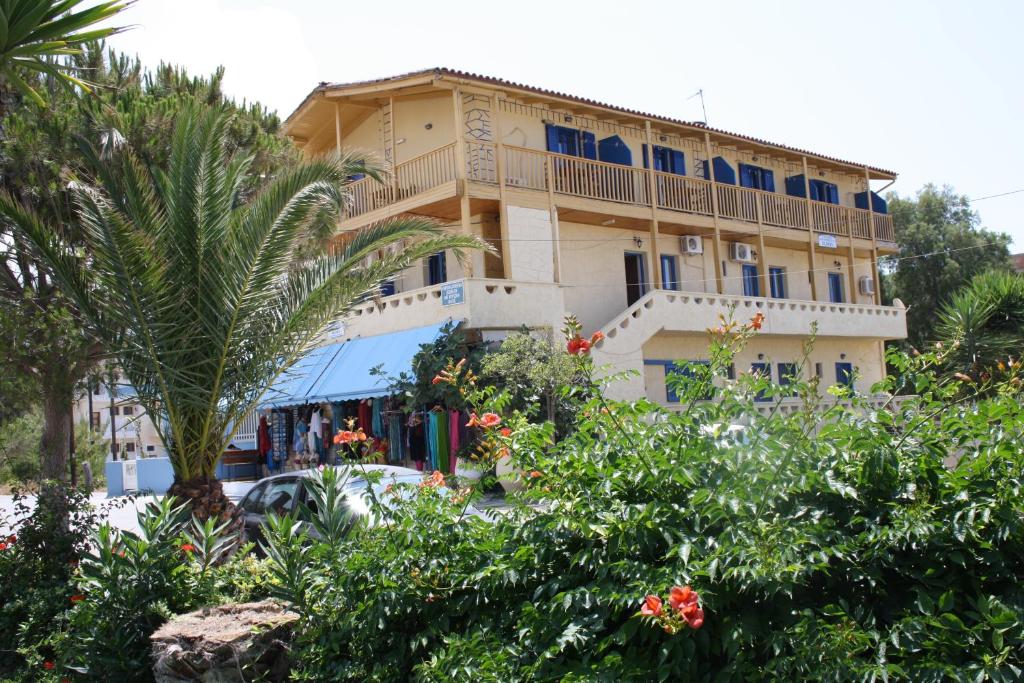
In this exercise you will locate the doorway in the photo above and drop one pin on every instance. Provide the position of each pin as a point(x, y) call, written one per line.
point(636, 276)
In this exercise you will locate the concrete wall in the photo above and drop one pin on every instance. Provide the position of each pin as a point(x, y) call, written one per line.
point(531, 256)
point(412, 115)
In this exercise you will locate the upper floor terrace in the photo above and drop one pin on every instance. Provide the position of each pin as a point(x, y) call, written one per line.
point(458, 145)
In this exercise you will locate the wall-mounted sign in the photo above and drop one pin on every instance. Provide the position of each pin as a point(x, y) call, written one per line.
point(336, 329)
point(827, 241)
point(453, 293)
point(130, 482)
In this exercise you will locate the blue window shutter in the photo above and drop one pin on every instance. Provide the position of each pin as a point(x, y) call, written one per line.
point(831, 193)
point(844, 374)
point(707, 169)
point(387, 288)
point(817, 190)
point(615, 151)
point(747, 176)
point(659, 158)
point(795, 186)
point(356, 176)
point(724, 173)
point(643, 149)
point(678, 162)
point(589, 145)
point(879, 205)
point(767, 180)
point(551, 134)
point(860, 200)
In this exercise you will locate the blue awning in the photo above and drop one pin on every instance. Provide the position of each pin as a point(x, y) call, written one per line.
point(341, 372)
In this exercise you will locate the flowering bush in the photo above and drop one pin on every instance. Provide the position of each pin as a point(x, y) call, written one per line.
point(839, 542)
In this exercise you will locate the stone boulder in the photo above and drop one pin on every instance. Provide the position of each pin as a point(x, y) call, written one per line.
point(225, 644)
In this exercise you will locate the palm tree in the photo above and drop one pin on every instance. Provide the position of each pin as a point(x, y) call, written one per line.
point(34, 32)
point(983, 323)
point(198, 292)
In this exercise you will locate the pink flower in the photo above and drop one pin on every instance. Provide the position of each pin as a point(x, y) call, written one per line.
point(490, 420)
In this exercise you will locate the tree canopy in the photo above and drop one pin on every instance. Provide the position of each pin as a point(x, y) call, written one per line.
point(942, 246)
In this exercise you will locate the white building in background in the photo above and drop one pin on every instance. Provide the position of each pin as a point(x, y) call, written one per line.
point(117, 413)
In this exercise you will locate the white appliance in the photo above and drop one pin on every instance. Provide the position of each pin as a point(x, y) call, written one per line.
point(741, 253)
point(691, 244)
point(867, 284)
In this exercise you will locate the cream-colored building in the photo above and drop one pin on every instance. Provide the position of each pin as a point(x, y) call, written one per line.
point(644, 227)
point(118, 414)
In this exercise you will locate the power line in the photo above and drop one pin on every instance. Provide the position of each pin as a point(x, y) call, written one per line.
point(993, 196)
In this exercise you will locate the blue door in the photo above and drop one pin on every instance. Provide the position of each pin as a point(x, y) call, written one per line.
point(844, 374)
point(777, 282)
point(437, 269)
point(835, 288)
point(669, 272)
point(750, 281)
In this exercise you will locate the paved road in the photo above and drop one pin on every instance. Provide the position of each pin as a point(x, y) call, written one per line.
point(122, 512)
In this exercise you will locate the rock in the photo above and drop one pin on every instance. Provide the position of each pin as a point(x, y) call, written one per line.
point(225, 644)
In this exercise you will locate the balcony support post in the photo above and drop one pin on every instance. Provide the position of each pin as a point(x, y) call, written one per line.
point(391, 146)
point(652, 190)
point(762, 253)
point(337, 128)
point(461, 186)
point(874, 244)
point(499, 162)
point(717, 243)
point(812, 235)
point(854, 292)
point(556, 250)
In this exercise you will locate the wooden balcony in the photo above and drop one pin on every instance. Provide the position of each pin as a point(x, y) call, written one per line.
point(532, 169)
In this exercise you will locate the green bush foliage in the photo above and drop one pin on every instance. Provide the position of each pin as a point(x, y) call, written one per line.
point(839, 542)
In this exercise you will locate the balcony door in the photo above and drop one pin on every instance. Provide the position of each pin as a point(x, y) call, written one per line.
point(751, 281)
point(835, 288)
point(636, 276)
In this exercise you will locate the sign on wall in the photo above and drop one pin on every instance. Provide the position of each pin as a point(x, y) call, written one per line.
point(453, 293)
point(827, 241)
point(130, 482)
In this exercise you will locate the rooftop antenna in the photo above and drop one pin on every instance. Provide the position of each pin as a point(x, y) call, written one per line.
point(700, 94)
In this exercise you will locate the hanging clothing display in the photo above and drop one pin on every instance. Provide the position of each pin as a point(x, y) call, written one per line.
point(263, 437)
point(315, 431)
point(300, 436)
point(417, 440)
point(378, 417)
point(396, 450)
point(366, 417)
point(278, 438)
point(454, 437)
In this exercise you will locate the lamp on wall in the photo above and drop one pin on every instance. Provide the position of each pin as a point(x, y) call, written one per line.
point(638, 242)
point(568, 118)
point(837, 265)
point(842, 356)
point(760, 356)
point(429, 126)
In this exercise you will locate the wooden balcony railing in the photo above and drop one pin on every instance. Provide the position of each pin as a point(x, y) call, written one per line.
point(569, 175)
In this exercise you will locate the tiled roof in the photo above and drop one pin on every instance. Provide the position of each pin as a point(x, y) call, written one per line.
point(441, 72)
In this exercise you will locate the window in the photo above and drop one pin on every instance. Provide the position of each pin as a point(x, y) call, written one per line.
point(666, 160)
point(835, 288)
point(820, 190)
point(819, 370)
point(437, 269)
point(788, 375)
point(130, 447)
point(724, 173)
point(95, 420)
point(673, 373)
point(572, 142)
point(128, 410)
point(253, 501)
point(670, 272)
point(757, 177)
point(750, 280)
point(844, 374)
point(636, 277)
point(280, 496)
point(387, 288)
point(150, 448)
point(764, 370)
point(777, 282)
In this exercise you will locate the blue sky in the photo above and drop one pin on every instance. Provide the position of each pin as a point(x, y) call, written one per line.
point(931, 90)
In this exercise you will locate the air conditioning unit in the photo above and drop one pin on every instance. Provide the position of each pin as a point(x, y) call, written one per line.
point(738, 251)
point(866, 284)
point(691, 244)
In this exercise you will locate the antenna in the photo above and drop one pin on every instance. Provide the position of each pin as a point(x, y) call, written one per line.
point(700, 94)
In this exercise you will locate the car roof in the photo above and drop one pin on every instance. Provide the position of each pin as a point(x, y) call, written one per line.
point(387, 470)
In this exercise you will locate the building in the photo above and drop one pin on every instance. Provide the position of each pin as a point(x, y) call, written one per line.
point(117, 412)
point(644, 227)
point(1017, 261)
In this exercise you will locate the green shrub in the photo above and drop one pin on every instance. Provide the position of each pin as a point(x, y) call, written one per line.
point(849, 543)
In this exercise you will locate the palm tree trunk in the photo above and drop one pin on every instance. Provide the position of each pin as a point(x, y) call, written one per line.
point(207, 498)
